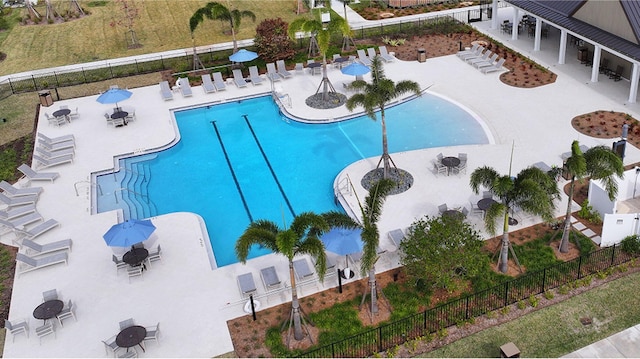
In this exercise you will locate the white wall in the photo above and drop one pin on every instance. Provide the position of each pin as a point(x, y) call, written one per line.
point(617, 226)
point(599, 199)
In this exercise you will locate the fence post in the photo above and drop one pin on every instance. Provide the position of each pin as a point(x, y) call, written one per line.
point(84, 75)
point(137, 68)
point(506, 293)
point(11, 86)
point(544, 279)
point(425, 319)
point(466, 311)
point(579, 266)
point(35, 85)
point(380, 339)
point(613, 254)
point(333, 350)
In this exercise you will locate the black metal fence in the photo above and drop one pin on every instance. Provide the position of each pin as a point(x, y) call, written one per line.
point(457, 311)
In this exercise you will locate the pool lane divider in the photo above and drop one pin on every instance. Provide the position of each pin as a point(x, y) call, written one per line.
point(273, 173)
point(233, 173)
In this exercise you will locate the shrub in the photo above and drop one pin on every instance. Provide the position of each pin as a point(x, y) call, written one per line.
point(548, 294)
point(521, 304)
point(631, 244)
point(533, 300)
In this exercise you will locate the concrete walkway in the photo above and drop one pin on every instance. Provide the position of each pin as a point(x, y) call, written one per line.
point(625, 344)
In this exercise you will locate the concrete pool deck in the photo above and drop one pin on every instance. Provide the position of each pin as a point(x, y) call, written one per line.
point(193, 302)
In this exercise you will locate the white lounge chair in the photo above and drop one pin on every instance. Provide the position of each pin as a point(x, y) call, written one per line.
point(496, 67)
point(218, 81)
point(238, 79)
point(32, 175)
point(477, 52)
point(30, 263)
point(272, 73)
point(51, 155)
point(254, 75)
point(371, 53)
point(21, 221)
point(9, 214)
point(483, 58)
point(185, 87)
point(37, 249)
point(270, 278)
point(492, 61)
point(480, 54)
point(11, 191)
point(18, 201)
point(472, 50)
point(36, 231)
point(282, 69)
point(57, 146)
point(54, 140)
point(386, 56)
point(207, 84)
point(301, 269)
point(50, 162)
point(246, 284)
point(396, 237)
point(363, 59)
point(165, 91)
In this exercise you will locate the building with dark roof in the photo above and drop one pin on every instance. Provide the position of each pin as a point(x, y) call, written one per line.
point(607, 33)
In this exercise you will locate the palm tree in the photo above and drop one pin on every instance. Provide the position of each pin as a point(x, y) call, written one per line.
point(347, 40)
point(371, 212)
point(302, 237)
point(217, 11)
point(320, 39)
point(598, 163)
point(376, 95)
point(533, 190)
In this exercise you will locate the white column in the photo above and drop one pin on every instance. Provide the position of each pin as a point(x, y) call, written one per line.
point(514, 30)
point(494, 14)
point(536, 41)
point(635, 77)
point(563, 46)
point(595, 69)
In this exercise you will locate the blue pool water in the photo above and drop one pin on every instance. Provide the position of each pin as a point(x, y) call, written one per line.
point(244, 161)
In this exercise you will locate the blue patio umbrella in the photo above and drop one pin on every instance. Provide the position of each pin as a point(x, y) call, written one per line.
point(355, 69)
point(114, 95)
point(128, 233)
point(343, 241)
point(243, 56)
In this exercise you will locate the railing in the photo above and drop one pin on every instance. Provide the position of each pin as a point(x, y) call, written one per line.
point(92, 184)
point(459, 310)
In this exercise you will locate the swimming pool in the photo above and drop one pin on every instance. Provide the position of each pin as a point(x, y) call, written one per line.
point(243, 161)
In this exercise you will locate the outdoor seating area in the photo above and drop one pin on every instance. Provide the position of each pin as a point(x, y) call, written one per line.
point(130, 336)
point(450, 164)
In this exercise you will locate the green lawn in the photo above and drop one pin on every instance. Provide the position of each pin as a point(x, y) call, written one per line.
point(555, 331)
point(163, 25)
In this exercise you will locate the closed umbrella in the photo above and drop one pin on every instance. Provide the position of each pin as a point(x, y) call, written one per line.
point(243, 56)
point(114, 95)
point(128, 233)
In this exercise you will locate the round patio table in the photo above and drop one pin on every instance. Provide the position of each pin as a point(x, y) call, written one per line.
point(48, 309)
point(450, 162)
point(485, 203)
point(135, 257)
point(131, 336)
point(62, 112)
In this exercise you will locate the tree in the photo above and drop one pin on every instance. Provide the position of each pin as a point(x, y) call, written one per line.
point(376, 95)
point(302, 237)
point(347, 41)
point(129, 15)
point(321, 36)
point(533, 190)
point(440, 249)
point(272, 41)
point(598, 163)
point(371, 212)
point(217, 11)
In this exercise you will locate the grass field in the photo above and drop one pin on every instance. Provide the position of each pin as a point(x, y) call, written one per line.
point(163, 25)
point(556, 330)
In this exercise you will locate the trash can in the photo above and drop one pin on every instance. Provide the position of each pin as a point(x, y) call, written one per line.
point(45, 98)
point(422, 55)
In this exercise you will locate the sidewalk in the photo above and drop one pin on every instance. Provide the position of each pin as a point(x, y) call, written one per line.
point(625, 344)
